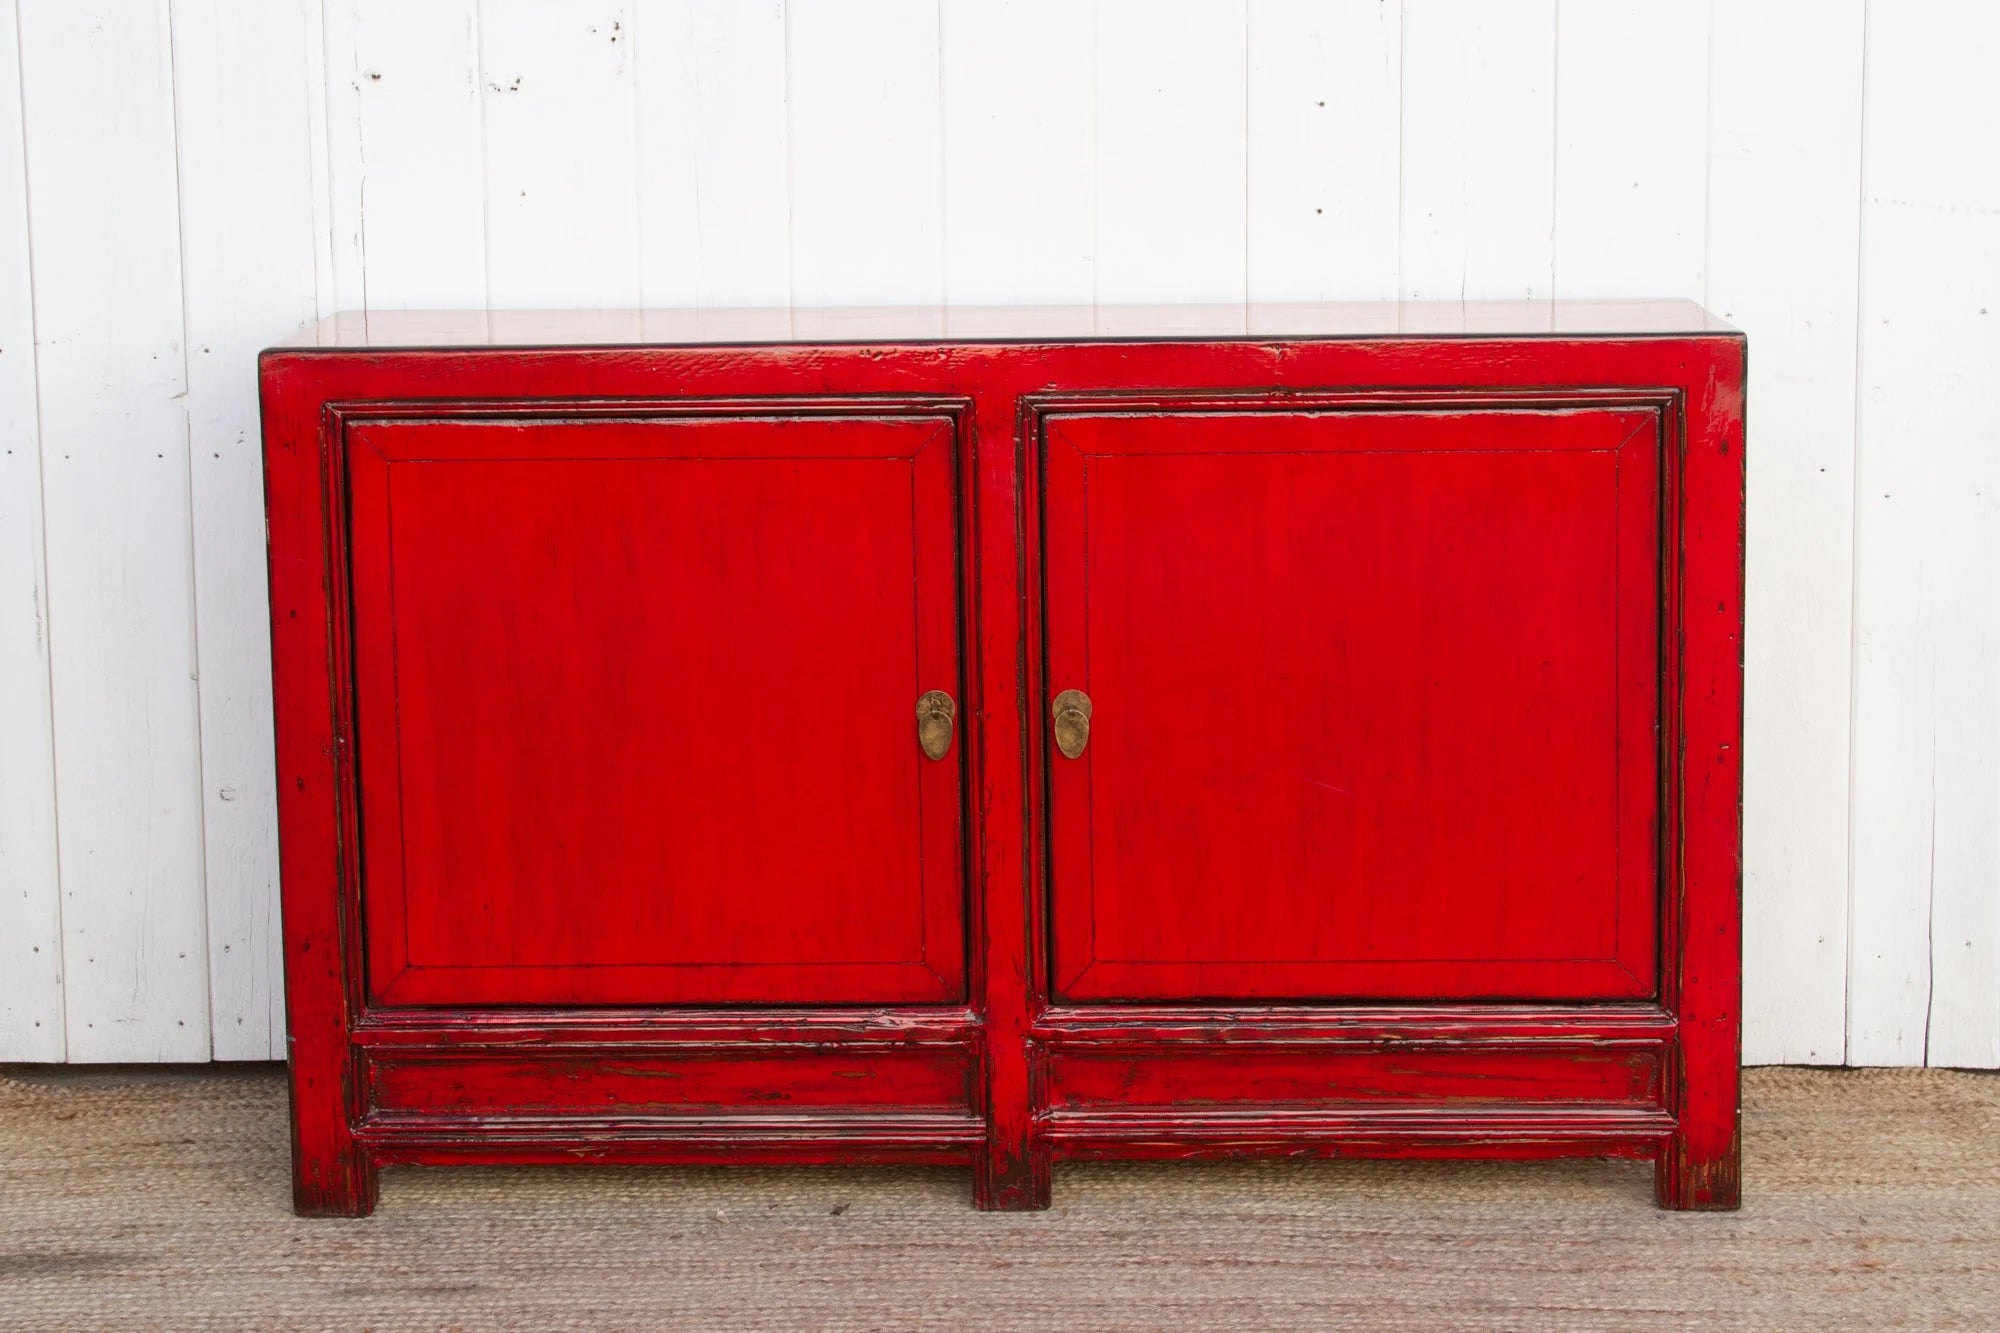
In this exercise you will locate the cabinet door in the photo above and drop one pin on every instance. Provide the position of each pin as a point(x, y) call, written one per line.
point(1373, 702)
point(636, 709)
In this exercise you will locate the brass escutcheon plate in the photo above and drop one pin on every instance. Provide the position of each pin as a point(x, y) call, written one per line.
point(1071, 710)
point(935, 712)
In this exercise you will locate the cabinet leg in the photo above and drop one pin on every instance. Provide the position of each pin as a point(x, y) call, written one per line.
point(1684, 1178)
point(338, 1184)
point(1011, 1182)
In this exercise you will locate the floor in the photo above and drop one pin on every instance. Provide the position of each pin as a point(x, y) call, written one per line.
point(158, 1199)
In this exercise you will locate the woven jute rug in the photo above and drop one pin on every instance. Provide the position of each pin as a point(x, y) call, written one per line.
point(141, 1199)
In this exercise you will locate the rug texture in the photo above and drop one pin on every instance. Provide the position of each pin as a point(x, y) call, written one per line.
point(148, 1199)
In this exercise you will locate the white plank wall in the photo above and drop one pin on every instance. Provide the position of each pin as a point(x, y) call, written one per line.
point(1172, 150)
point(184, 181)
point(97, 109)
point(1324, 154)
point(1784, 178)
point(250, 262)
point(559, 124)
point(1019, 184)
point(867, 152)
point(407, 154)
point(715, 199)
point(31, 996)
point(1631, 158)
point(1922, 984)
point(1478, 155)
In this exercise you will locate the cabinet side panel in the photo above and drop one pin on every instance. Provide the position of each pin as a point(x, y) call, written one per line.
point(330, 1173)
point(1699, 1168)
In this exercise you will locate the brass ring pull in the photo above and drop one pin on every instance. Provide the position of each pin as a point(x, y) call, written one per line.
point(935, 712)
point(1072, 715)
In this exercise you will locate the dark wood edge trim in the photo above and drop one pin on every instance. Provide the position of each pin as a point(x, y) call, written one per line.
point(843, 1152)
point(1466, 1025)
point(1475, 340)
point(1361, 398)
point(688, 1029)
point(1584, 1128)
point(387, 1134)
point(375, 411)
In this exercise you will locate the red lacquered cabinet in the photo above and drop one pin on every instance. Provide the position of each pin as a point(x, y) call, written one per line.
point(995, 737)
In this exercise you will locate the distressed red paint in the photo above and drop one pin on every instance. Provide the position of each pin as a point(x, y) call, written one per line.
point(1408, 822)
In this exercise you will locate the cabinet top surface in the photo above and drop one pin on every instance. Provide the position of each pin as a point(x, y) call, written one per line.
point(1001, 324)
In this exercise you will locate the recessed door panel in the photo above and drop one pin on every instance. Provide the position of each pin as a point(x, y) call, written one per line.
point(1372, 702)
point(636, 709)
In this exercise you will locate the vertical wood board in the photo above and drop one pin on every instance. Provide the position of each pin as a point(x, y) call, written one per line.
point(714, 153)
point(1172, 151)
point(1478, 210)
point(249, 259)
point(408, 163)
point(1784, 191)
point(1322, 205)
point(1018, 124)
point(1631, 153)
point(561, 184)
point(98, 100)
point(1924, 987)
point(865, 139)
point(31, 996)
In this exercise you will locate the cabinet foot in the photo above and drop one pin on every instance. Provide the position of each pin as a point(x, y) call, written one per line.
point(1683, 1180)
point(1011, 1183)
point(340, 1185)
